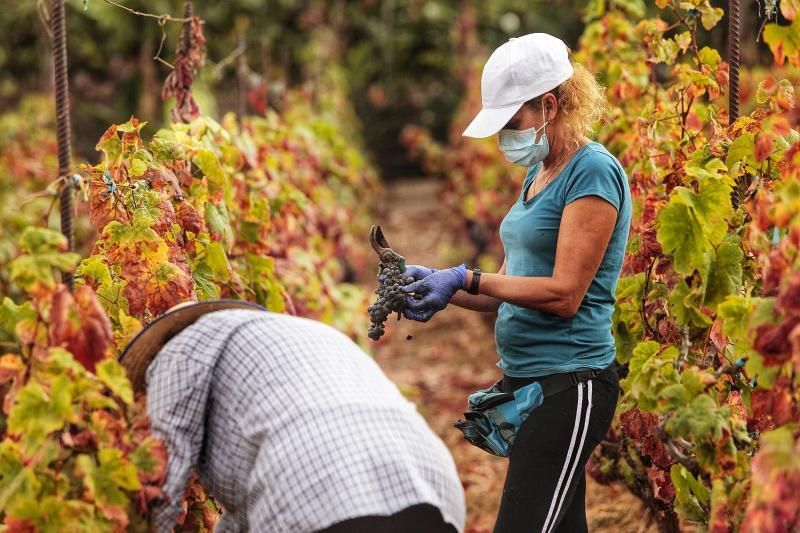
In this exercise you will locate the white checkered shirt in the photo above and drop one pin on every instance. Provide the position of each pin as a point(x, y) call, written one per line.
point(291, 426)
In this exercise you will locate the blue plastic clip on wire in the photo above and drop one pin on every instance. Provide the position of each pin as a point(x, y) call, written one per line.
point(112, 187)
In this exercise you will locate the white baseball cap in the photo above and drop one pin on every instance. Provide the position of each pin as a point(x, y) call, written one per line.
point(519, 70)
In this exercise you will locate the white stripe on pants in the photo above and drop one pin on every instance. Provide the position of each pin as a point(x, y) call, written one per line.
point(572, 457)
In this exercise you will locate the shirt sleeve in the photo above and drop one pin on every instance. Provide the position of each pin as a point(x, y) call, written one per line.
point(597, 175)
point(177, 395)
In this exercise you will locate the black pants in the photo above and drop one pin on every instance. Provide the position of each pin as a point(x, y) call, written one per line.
point(546, 483)
point(421, 518)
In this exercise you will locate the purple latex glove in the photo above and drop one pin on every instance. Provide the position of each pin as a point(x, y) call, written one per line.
point(436, 290)
point(418, 272)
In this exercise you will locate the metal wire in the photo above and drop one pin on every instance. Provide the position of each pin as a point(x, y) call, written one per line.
point(734, 37)
point(63, 126)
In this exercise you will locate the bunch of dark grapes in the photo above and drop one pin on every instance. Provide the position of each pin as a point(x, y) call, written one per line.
point(391, 299)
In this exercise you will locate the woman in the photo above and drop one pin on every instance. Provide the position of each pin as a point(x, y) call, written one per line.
point(564, 241)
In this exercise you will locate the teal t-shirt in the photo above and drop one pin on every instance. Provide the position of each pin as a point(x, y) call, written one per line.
point(536, 343)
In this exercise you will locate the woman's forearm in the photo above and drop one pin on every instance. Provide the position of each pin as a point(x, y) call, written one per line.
point(541, 293)
point(476, 302)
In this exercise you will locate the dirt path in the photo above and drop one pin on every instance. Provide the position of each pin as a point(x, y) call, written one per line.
point(452, 356)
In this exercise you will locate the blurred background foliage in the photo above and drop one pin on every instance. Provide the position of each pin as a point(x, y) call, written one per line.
point(400, 59)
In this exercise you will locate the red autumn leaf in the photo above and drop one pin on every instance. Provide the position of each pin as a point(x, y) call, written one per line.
point(669, 330)
point(104, 204)
point(157, 476)
point(723, 458)
point(82, 439)
point(763, 147)
point(788, 301)
point(166, 217)
point(759, 209)
point(772, 341)
point(179, 81)
point(777, 267)
point(719, 520)
point(155, 288)
point(776, 485)
point(164, 180)
point(146, 497)
point(109, 430)
point(95, 325)
point(661, 484)
point(774, 407)
point(80, 324)
point(188, 218)
point(19, 526)
point(717, 338)
point(638, 424)
point(117, 515)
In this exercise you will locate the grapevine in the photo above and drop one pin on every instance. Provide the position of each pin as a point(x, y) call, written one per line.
point(260, 208)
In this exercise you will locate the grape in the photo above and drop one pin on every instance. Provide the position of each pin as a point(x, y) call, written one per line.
point(391, 299)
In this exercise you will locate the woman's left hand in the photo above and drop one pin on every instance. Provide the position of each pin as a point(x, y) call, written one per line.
point(436, 291)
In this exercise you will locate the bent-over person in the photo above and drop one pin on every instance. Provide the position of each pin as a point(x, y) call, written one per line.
point(289, 424)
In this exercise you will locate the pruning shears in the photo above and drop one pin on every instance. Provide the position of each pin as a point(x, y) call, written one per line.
point(385, 253)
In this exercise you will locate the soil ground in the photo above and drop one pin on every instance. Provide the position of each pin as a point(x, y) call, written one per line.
point(453, 355)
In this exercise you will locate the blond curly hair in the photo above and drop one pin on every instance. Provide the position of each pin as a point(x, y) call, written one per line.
point(582, 102)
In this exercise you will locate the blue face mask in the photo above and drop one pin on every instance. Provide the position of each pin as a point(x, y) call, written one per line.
point(520, 146)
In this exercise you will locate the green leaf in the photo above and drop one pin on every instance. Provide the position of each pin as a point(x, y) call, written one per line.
point(204, 282)
point(725, 275)
point(41, 240)
point(666, 51)
point(684, 305)
point(113, 376)
point(764, 374)
point(119, 469)
point(28, 271)
point(650, 371)
point(218, 261)
point(12, 314)
point(110, 145)
point(218, 184)
point(710, 57)
point(684, 40)
point(691, 496)
point(107, 481)
point(218, 222)
point(16, 479)
point(129, 127)
point(268, 290)
point(710, 16)
point(784, 41)
point(699, 420)
point(626, 321)
point(735, 312)
point(138, 231)
point(95, 268)
point(741, 154)
point(142, 457)
point(693, 221)
point(138, 167)
point(681, 234)
point(37, 413)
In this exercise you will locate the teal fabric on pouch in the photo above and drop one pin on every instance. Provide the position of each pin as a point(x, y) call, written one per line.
point(495, 417)
point(535, 343)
